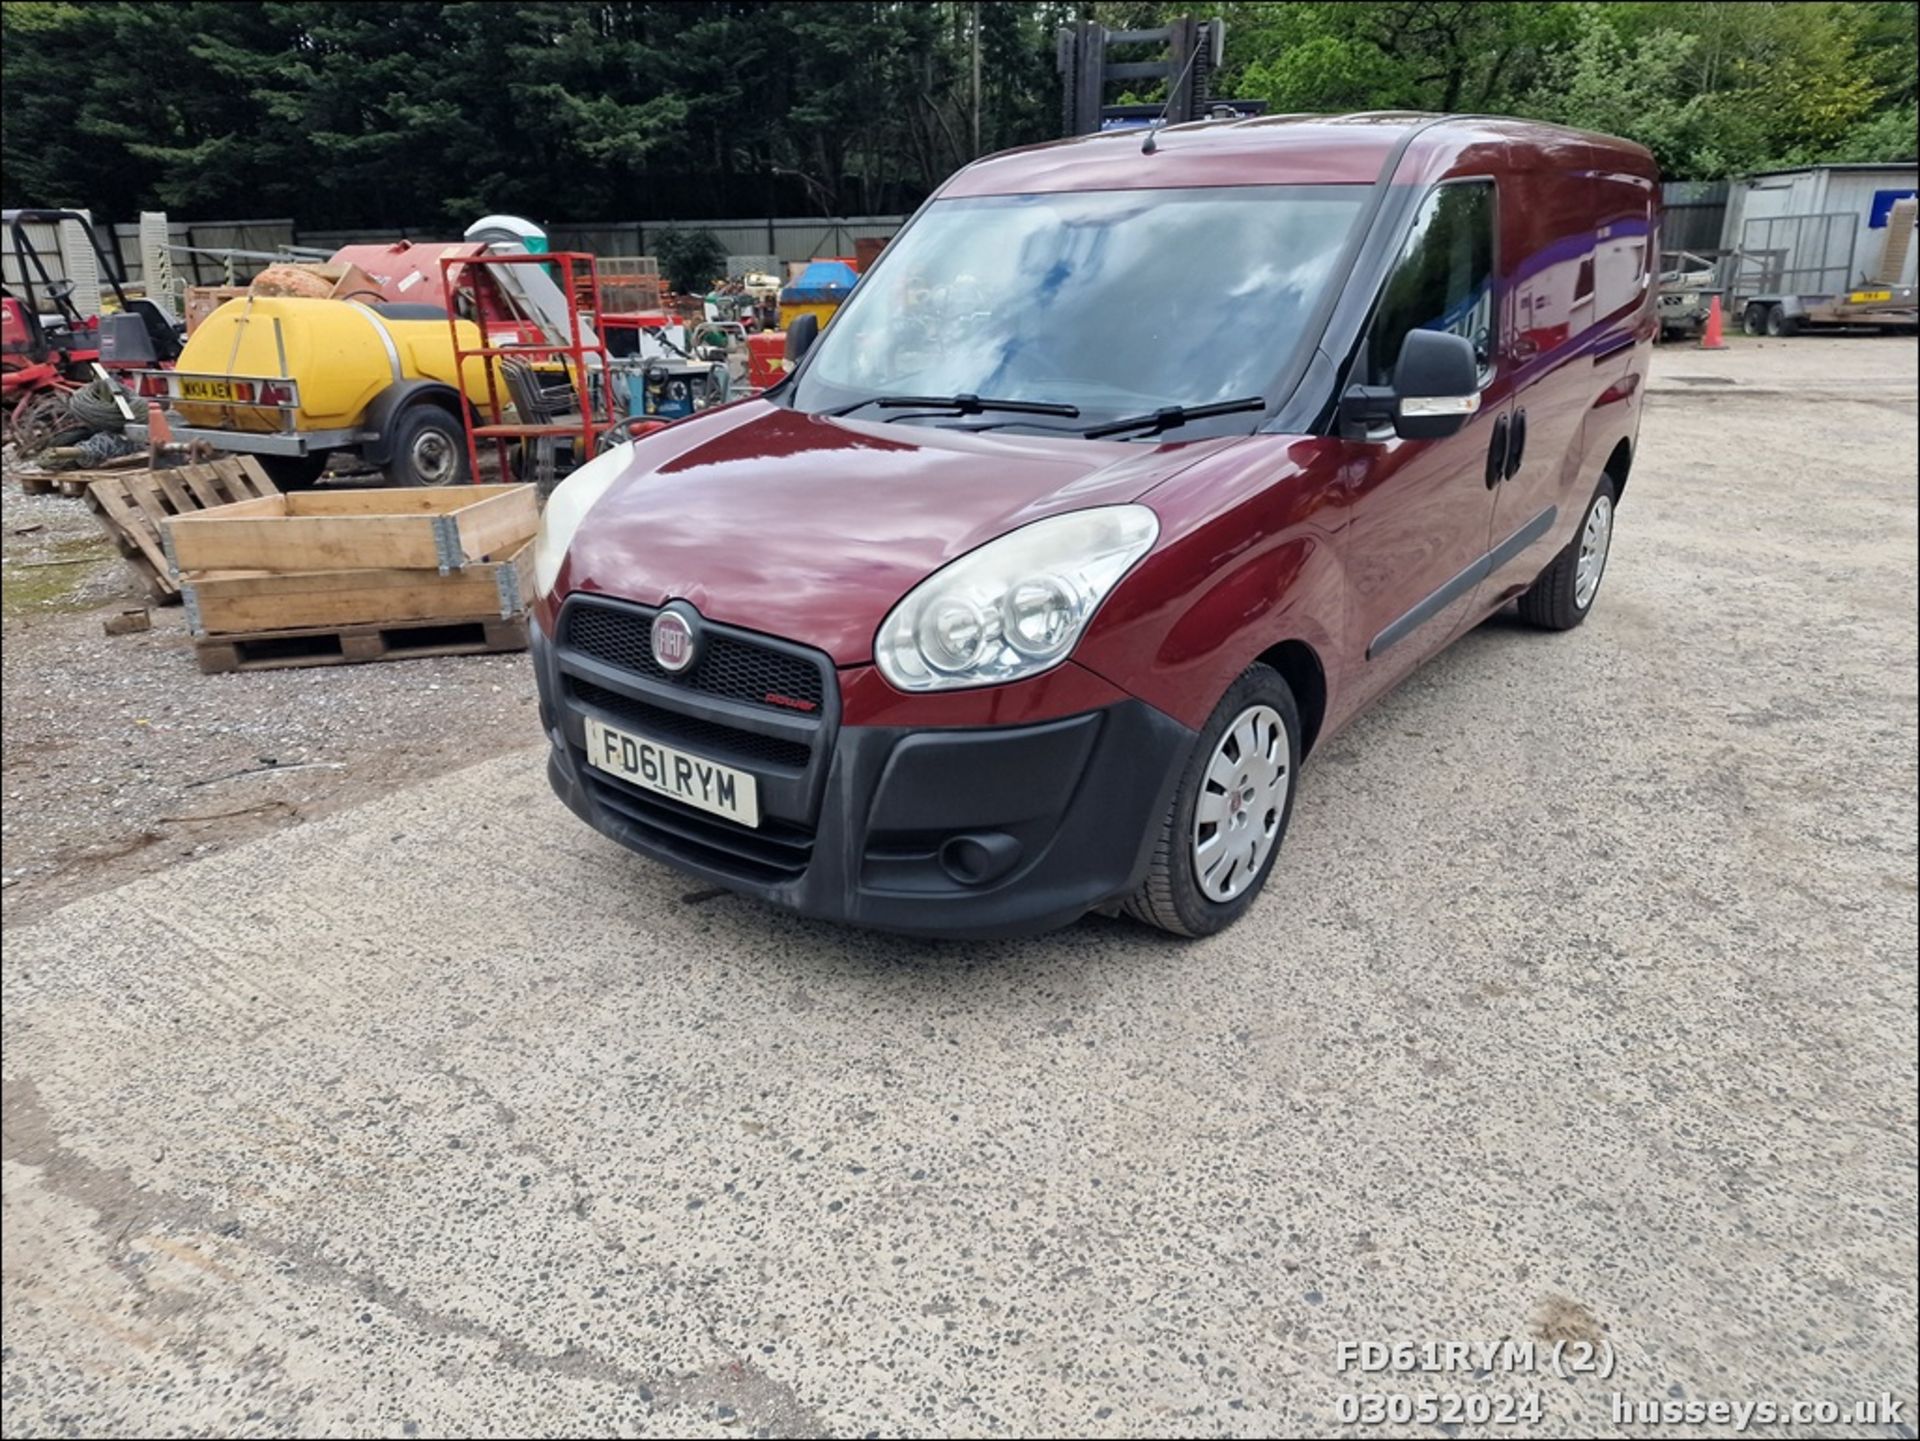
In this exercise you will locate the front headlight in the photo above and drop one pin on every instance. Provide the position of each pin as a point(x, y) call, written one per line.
point(567, 507)
point(1014, 607)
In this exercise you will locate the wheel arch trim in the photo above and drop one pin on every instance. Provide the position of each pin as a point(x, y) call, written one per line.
point(376, 443)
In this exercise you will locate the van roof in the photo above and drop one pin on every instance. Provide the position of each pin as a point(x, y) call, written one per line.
point(1293, 150)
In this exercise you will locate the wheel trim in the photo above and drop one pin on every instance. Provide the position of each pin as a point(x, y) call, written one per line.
point(1243, 794)
point(1596, 537)
point(431, 457)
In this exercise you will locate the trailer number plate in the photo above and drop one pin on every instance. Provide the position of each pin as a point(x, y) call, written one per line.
point(1868, 297)
point(206, 390)
point(686, 778)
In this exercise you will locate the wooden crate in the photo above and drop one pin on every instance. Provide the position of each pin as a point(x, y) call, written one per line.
point(349, 645)
point(403, 529)
point(134, 506)
point(203, 300)
point(224, 603)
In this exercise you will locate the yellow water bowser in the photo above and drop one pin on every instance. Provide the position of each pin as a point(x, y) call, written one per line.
point(292, 380)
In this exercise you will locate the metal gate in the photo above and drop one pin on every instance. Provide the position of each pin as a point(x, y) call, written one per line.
point(1795, 255)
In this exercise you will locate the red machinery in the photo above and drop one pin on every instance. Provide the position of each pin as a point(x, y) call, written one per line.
point(46, 355)
point(766, 359)
point(513, 355)
point(555, 367)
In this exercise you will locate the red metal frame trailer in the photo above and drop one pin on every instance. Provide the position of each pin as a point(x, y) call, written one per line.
point(579, 281)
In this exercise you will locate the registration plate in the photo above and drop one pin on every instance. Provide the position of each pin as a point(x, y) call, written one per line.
point(665, 771)
point(1868, 297)
point(206, 389)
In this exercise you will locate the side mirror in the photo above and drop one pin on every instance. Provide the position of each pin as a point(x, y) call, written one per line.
point(800, 337)
point(1436, 387)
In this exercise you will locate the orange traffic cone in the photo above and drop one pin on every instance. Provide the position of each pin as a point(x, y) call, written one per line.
point(1711, 338)
point(159, 435)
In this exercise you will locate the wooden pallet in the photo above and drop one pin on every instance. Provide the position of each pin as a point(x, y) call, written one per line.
point(240, 603)
point(405, 528)
point(66, 482)
point(133, 507)
point(350, 645)
point(73, 483)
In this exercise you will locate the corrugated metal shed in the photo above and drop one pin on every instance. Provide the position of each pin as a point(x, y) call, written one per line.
point(1813, 231)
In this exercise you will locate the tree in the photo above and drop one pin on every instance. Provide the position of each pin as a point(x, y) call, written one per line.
point(690, 259)
point(1607, 83)
point(1407, 54)
point(369, 112)
point(363, 113)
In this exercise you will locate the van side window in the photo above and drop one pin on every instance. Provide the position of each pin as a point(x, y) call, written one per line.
point(1443, 279)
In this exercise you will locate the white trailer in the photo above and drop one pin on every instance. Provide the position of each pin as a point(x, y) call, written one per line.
point(1823, 245)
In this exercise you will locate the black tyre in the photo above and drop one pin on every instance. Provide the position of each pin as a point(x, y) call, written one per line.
point(294, 472)
point(429, 448)
point(1563, 594)
point(1780, 324)
point(1229, 813)
point(1753, 320)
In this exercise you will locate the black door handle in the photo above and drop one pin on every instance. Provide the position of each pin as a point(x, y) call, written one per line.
point(1497, 452)
point(1516, 444)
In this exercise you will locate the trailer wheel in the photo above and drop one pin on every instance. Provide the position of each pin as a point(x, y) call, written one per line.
point(429, 448)
point(1753, 320)
point(1780, 325)
point(294, 472)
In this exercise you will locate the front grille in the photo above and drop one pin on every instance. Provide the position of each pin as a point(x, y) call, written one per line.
point(775, 851)
point(729, 666)
point(718, 708)
point(723, 742)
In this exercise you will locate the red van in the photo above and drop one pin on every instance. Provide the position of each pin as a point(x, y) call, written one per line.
point(1126, 476)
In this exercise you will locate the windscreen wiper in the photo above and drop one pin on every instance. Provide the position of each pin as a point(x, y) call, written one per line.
point(964, 404)
point(1167, 417)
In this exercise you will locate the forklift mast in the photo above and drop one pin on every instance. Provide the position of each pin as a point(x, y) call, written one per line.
point(1193, 51)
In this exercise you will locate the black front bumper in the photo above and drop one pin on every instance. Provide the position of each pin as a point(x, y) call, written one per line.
point(944, 832)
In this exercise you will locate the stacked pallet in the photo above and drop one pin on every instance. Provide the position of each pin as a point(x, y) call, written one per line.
point(332, 577)
point(134, 506)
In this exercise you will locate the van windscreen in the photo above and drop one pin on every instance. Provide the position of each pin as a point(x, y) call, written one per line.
point(1110, 301)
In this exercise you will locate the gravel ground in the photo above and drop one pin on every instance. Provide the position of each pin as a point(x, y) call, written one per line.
point(121, 758)
point(1581, 1009)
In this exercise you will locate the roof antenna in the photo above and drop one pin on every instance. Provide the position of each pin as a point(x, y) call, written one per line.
point(1149, 146)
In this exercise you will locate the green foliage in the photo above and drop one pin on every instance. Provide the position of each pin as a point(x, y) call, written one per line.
point(371, 112)
point(691, 260)
point(1605, 81)
point(1712, 87)
point(430, 113)
point(1407, 54)
point(1890, 135)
